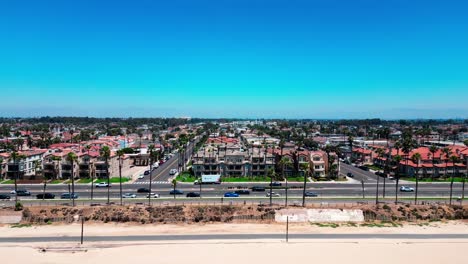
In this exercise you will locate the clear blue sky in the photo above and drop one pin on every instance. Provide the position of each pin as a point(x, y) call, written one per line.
point(239, 58)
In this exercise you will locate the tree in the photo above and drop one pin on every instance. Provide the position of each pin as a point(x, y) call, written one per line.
point(454, 159)
point(16, 158)
point(174, 185)
point(271, 174)
point(380, 153)
point(72, 158)
point(285, 162)
point(120, 154)
point(306, 168)
point(88, 148)
point(447, 153)
point(397, 159)
point(1, 166)
point(433, 149)
point(416, 158)
point(152, 158)
point(105, 153)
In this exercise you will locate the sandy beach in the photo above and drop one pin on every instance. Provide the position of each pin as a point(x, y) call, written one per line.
point(235, 251)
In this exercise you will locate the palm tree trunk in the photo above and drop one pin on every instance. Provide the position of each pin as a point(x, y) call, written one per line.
point(150, 181)
point(92, 181)
point(396, 190)
point(120, 180)
point(108, 181)
point(417, 185)
point(304, 189)
point(377, 191)
point(73, 183)
point(451, 190)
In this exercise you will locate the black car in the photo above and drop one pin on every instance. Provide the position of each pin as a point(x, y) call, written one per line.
point(258, 189)
point(193, 194)
point(349, 174)
point(242, 191)
point(310, 194)
point(22, 193)
point(172, 192)
point(143, 190)
point(45, 196)
point(364, 168)
point(275, 184)
point(146, 172)
point(4, 197)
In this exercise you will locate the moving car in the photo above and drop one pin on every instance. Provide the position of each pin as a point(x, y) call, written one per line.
point(143, 190)
point(273, 194)
point(68, 196)
point(310, 194)
point(172, 192)
point(23, 193)
point(242, 192)
point(363, 168)
point(349, 174)
point(141, 176)
point(193, 194)
point(406, 189)
point(275, 184)
point(45, 196)
point(231, 194)
point(153, 195)
point(129, 195)
point(4, 197)
point(102, 185)
point(258, 189)
point(172, 171)
point(147, 172)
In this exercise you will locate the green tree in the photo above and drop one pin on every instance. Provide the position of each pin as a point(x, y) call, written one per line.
point(105, 154)
point(397, 159)
point(284, 163)
point(416, 158)
point(306, 168)
point(433, 149)
point(72, 158)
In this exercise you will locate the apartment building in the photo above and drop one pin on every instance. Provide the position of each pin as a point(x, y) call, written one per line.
point(27, 166)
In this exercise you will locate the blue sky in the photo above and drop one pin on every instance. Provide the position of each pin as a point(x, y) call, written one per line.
point(239, 58)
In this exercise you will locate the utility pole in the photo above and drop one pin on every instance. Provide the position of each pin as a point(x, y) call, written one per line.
point(82, 229)
point(377, 191)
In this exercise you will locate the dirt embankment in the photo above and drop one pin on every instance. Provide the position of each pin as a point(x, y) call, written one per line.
point(224, 214)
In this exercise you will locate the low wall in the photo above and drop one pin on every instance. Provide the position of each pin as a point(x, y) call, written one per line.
point(319, 215)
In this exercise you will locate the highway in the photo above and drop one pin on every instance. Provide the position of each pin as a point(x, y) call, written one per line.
point(158, 238)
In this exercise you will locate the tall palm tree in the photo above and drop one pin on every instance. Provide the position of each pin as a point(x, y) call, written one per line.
point(447, 153)
point(397, 159)
point(306, 168)
point(120, 154)
point(271, 174)
point(151, 161)
point(1, 172)
point(416, 158)
point(174, 185)
point(16, 158)
point(91, 171)
point(407, 146)
point(285, 162)
point(105, 153)
point(433, 149)
point(380, 153)
point(454, 159)
point(72, 158)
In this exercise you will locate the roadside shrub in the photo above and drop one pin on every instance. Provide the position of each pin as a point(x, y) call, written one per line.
point(18, 206)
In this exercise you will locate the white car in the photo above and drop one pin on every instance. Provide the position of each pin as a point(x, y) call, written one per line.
point(153, 195)
point(129, 195)
point(273, 194)
point(13, 192)
point(102, 184)
point(141, 176)
point(406, 189)
point(172, 171)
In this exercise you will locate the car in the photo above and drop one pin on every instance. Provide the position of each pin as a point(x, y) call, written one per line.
point(406, 189)
point(193, 194)
point(349, 174)
point(153, 195)
point(242, 191)
point(172, 171)
point(161, 162)
point(141, 176)
point(273, 194)
point(143, 190)
point(23, 193)
point(275, 184)
point(129, 195)
point(231, 194)
point(363, 168)
point(45, 196)
point(172, 192)
point(310, 194)
point(68, 196)
point(4, 197)
point(102, 185)
point(147, 172)
point(258, 189)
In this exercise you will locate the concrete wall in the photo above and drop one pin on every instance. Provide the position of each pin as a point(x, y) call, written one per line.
point(319, 215)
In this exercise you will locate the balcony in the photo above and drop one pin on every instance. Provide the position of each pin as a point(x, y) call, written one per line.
point(84, 167)
point(66, 167)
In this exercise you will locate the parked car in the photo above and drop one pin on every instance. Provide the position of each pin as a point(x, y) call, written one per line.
point(102, 185)
point(68, 196)
point(242, 191)
point(273, 194)
point(23, 193)
point(141, 176)
point(231, 194)
point(129, 195)
point(349, 174)
point(363, 168)
point(4, 197)
point(172, 192)
point(143, 190)
point(147, 172)
point(406, 189)
point(45, 196)
point(193, 194)
point(311, 194)
point(172, 171)
point(273, 184)
point(258, 189)
point(153, 195)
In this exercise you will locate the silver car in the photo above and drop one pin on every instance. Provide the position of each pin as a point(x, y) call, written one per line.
point(129, 195)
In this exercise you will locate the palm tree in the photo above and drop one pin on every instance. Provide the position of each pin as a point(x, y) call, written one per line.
point(454, 159)
point(120, 154)
point(407, 146)
point(306, 168)
point(151, 161)
point(285, 162)
point(416, 158)
point(88, 148)
point(72, 158)
point(16, 157)
point(105, 153)
point(174, 185)
point(380, 153)
point(433, 149)
point(397, 159)
point(1, 172)
point(447, 153)
point(271, 174)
